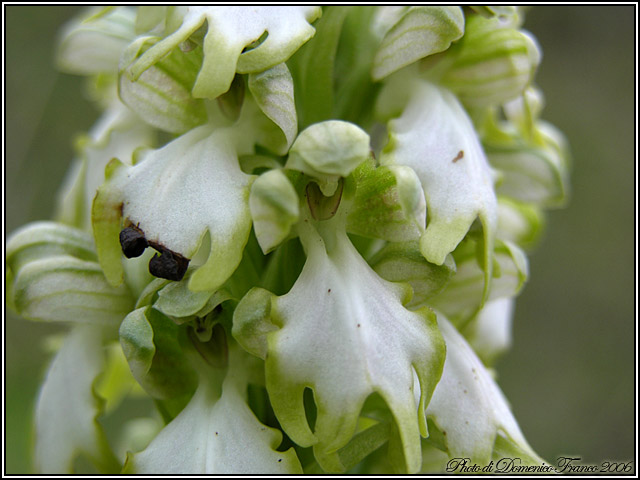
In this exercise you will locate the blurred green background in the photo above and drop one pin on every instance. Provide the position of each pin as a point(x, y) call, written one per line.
point(570, 376)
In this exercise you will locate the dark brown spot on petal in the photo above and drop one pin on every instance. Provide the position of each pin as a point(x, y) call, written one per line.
point(459, 156)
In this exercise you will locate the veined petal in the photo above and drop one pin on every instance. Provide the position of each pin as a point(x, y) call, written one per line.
point(175, 195)
point(357, 339)
point(65, 289)
point(420, 32)
point(216, 433)
point(492, 63)
point(435, 137)
point(468, 407)
point(39, 240)
point(231, 29)
point(55, 276)
point(162, 93)
point(532, 170)
point(67, 407)
point(273, 92)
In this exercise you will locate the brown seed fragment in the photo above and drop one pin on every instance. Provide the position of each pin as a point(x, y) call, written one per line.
point(133, 241)
point(169, 265)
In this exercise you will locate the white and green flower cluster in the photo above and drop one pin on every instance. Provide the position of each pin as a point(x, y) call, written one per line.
point(299, 230)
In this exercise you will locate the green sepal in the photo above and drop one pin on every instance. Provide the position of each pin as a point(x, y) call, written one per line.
point(176, 300)
point(327, 151)
point(403, 262)
point(420, 32)
point(388, 204)
point(153, 345)
point(491, 64)
point(252, 321)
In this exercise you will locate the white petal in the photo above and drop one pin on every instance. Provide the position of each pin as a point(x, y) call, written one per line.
point(467, 405)
point(67, 408)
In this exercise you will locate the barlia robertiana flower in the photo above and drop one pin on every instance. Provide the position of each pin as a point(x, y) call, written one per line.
point(299, 230)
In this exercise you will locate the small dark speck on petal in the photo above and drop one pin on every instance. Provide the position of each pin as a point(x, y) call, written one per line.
point(358, 325)
point(279, 460)
point(329, 291)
